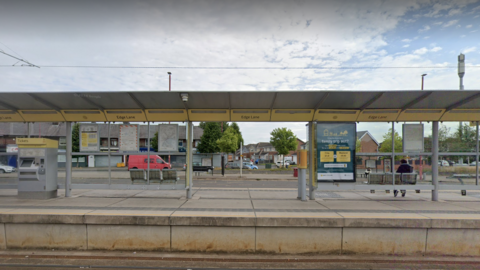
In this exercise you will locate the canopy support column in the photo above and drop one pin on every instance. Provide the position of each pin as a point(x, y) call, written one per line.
point(68, 159)
point(189, 169)
point(311, 161)
point(435, 160)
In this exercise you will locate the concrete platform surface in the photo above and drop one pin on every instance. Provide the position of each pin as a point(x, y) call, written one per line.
point(244, 220)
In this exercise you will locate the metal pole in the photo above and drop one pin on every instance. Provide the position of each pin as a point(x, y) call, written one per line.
point(68, 160)
point(476, 158)
point(148, 154)
point(302, 173)
point(29, 126)
point(109, 158)
point(311, 187)
point(393, 154)
point(241, 160)
point(189, 158)
point(435, 161)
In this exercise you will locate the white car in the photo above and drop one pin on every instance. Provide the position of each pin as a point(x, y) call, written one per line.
point(6, 169)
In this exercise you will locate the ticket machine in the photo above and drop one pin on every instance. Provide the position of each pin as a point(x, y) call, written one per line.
point(37, 168)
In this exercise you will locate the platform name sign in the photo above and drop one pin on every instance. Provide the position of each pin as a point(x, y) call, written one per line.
point(413, 138)
point(336, 152)
point(89, 141)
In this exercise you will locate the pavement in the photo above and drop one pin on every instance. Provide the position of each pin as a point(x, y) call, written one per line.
point(247, 202)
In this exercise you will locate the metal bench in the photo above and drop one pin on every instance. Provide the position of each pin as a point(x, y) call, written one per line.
point(169, 176)
point(459, 177)
point(386, 179)
point(137, 175)
point(155, 176)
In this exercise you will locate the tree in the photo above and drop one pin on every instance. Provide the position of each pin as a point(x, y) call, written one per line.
point(236, 130)
point(229, 141)
point(76, 138)
point(208, 141)
point(225, 125)
point(283, 140)
point(387, 143)
point(154, 142)
point(358, 146)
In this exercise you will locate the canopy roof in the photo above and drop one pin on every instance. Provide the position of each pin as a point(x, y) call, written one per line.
point(438, 105)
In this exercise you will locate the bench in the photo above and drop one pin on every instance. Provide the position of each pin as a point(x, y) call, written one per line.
point(155, 176)
point(169, 176)
point(386, 179)
point(137, 175)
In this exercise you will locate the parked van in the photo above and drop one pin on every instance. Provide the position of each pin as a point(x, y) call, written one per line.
point(141, 162)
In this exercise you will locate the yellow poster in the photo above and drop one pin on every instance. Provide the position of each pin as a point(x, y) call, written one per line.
point(343, 156)
point(84, 139)
point(326, 156)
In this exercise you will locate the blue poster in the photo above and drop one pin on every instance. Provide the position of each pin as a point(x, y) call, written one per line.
point(336, 151)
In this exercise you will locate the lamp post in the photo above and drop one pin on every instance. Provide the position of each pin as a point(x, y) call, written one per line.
point(423, 76)
point(169, 89)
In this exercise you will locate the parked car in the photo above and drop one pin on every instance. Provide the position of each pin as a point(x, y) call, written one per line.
point(6, 169)
point(451, 162)
point(250, 166)
point(197, 167)
point(474, 163)
point(235, 165)
point(443, 163)
point(141, 162)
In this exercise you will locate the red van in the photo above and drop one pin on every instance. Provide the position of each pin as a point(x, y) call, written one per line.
point(141, 162)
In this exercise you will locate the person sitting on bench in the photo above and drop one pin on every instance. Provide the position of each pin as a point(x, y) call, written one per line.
point(403, 168)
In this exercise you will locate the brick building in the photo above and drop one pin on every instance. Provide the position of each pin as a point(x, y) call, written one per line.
point(368, 144)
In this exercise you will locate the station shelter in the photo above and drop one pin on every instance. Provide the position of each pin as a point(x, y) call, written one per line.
point(317, 108)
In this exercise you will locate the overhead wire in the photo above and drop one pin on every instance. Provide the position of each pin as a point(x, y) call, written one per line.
point(254, 68)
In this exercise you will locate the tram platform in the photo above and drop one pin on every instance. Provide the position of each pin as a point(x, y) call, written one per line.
point(245, 220)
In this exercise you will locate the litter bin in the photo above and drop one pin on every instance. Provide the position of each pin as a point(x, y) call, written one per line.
point(268, 166)
point(295, 172)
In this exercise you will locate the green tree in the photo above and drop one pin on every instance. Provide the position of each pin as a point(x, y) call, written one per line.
point(387, 143)
point(229, 141)
point(236, 130)
point(154, 142)
point(76, 138)
point(225, 125)
point(358, 146)
point(283, 140)
point(208, 141)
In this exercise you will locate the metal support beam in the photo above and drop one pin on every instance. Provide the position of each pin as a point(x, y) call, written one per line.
point(8, 106)
point(89, 101)
point(302, 176)
point(393, 155)
point(135, 99)
point(415, 101)
point(68, 160)
point(148, 153)
point(463, 101)
point(435, 160)
point(109, 157)
point(368, 103)
point(44, 102)
point(311, 161)
point(476, 159)
point(322, 100)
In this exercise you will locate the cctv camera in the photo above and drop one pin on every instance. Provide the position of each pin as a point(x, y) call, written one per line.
point(184, 97)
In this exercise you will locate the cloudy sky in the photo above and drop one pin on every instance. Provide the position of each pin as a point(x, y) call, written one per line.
point(334, 45)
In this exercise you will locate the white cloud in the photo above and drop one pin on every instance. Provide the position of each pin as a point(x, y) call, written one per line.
point(453, 12)
point(406, 46)
point(406, 40)
point(436, 49)
point(469, 26)
point(421, 51)
point(437, 23)
point(462, 36)
point(469, 49)
point(425, 28)
point(450, 23)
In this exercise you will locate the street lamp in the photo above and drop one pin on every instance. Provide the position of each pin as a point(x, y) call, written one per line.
point(423, 76)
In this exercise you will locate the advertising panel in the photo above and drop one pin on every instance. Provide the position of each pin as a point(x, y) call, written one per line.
point(412, 138)
point(128, 140)
point(89, 140)
point(168, 137)
point(336, 151)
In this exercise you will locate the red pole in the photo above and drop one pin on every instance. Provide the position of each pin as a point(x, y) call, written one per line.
point(169, 89)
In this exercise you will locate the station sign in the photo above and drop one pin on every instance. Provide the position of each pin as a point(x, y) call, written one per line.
point(462, 115)
point(84, 115)
point(420, 115)
point(167, 137)
point(89, 139)
point(209, 115)
point(255, 115)
point(412, 137)
point(10, 116)
point(164, 115)
point(125, 116)
point(129, 138)
point(336, 152)
point(292, 115)
point(41, 116)
point(378, 115)
point(336, 115)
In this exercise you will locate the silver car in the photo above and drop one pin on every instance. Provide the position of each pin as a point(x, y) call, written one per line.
point(6, 169)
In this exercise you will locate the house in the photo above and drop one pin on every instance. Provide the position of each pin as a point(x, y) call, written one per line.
point(368, 144)
point(56, 131)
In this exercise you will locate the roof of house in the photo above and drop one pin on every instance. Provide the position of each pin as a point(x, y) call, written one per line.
point(361, 134)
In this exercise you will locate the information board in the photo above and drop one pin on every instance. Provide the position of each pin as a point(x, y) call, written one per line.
point(128, 140)
point(412, 138)
point(89, 140)
point(168, 137)
point(336, 151)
